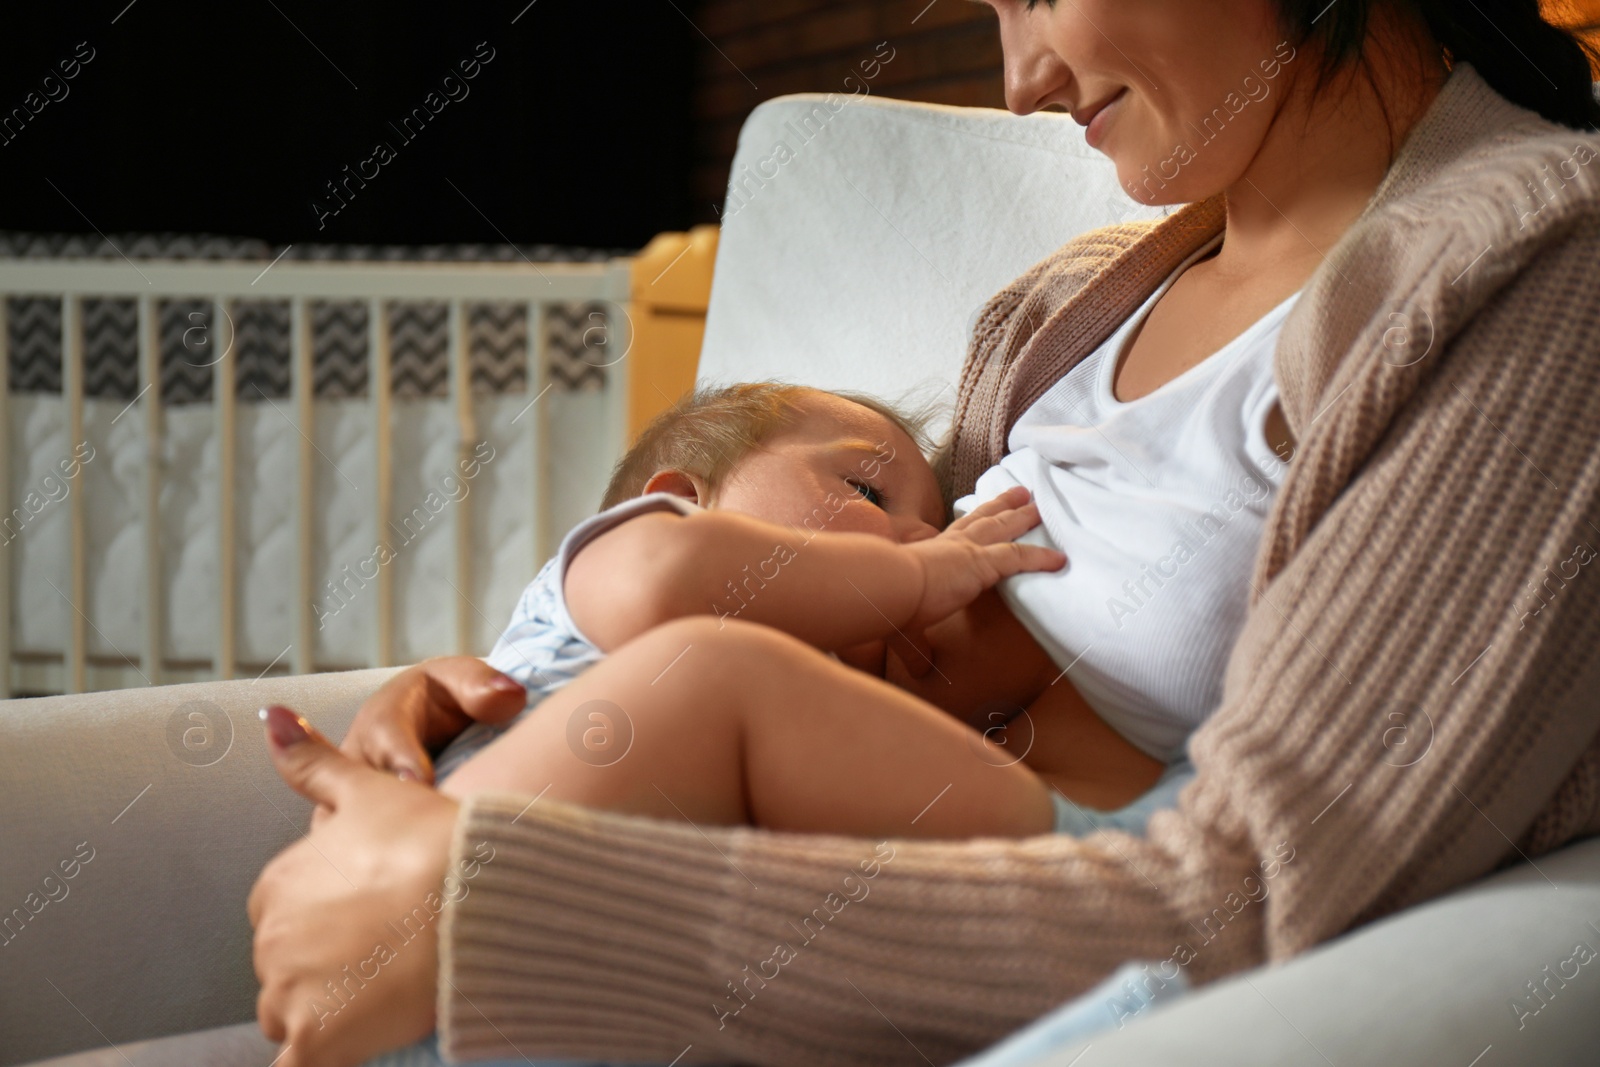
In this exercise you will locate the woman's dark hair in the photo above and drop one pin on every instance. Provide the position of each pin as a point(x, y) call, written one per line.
point(1523, 57)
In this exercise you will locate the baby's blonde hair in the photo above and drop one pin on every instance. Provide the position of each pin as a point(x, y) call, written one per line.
point(712, 428)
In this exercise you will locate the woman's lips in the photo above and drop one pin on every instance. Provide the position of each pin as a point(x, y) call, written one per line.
point(1099, 117)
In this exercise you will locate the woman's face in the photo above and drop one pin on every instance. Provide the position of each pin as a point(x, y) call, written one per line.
point(1178, 93)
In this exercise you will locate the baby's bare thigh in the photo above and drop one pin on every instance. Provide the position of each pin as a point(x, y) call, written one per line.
point(739, 723)
point(684, 682)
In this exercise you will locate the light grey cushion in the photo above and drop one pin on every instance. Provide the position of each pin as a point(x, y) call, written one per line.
point(171, 791)
point(1442, 984)
point(227, 1046)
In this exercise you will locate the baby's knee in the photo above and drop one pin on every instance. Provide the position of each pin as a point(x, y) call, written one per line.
point(733, 640)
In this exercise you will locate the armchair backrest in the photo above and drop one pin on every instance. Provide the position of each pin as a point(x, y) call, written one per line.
point(861, 236)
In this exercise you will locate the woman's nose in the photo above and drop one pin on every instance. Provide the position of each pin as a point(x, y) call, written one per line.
point(1033, 71)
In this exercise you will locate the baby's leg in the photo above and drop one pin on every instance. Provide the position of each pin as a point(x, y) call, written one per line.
point(734, 722)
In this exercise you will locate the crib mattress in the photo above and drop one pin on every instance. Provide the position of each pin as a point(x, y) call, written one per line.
point(430, 493)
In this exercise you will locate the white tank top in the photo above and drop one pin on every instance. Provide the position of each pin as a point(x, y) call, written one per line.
point(1159, 505)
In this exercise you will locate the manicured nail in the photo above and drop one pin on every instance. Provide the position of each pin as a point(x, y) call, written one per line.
point(283, 726)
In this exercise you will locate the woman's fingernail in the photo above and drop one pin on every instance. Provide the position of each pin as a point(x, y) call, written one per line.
point(503, 684)
point(283, 726)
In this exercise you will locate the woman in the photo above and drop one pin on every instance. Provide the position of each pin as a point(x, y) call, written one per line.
point(1411, 700)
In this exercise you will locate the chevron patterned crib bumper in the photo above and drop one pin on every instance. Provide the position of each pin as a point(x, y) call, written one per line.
point(426, 484)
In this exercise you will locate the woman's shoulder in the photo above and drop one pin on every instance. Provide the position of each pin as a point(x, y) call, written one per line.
point(1477, 150)
point(1446, 235)
point(1495, 237)
point(1525, 183)
point(1523, 174)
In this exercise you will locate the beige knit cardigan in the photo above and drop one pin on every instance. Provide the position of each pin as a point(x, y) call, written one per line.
point(1413, 700)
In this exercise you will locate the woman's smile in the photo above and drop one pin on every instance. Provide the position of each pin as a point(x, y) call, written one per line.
point(1098, 116)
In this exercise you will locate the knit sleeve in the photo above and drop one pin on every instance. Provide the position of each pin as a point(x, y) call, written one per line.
point(597, 936)
point(1407, 695)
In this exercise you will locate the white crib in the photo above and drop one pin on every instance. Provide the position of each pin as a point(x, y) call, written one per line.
point(152, 545)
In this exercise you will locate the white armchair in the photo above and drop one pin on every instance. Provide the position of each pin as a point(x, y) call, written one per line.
point(858, 261)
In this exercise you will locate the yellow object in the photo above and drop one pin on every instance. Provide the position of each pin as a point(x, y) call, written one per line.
point(670, 290)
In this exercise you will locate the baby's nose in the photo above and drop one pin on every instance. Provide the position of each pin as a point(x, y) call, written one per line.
point(917, 530)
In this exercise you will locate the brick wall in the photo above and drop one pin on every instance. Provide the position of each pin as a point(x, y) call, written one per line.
point(947, 52)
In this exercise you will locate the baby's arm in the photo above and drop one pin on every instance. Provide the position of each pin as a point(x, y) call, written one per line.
point(831, 590)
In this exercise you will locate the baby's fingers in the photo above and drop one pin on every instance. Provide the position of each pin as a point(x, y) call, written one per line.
point(1015, 558)
point(386, 745)
point(1004, 525)
point(1015, 497)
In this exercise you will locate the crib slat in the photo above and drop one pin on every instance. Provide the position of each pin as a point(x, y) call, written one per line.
point(5, 498)
point(619, 344)
point(466, 438)
point(77, 653)
point(303, 655)
point(154, 605)
point(537, 429)
point(225, 401)
point(381, 389)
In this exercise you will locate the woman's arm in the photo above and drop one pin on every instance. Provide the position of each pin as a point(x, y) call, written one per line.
point(986, 666)
point(1394, 717)
point(991, 673)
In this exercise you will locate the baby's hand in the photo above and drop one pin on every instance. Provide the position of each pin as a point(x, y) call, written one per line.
point(423, 708)
point(972, 554)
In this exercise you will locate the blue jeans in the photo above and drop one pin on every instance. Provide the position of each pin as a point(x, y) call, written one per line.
point(1080, 821)
point(425, 1053)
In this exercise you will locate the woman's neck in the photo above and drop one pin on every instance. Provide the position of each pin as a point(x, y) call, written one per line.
point(1326, 154)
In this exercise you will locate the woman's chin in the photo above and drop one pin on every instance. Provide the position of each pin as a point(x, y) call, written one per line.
point(1139, 184)
point(1145, 184)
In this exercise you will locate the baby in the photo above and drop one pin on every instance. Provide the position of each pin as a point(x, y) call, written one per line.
point(770, 622)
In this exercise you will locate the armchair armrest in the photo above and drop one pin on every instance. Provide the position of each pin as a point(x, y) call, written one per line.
point(135, 823)
point(1507, 963)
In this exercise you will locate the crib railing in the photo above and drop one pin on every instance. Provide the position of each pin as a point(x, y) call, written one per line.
point(298, 283)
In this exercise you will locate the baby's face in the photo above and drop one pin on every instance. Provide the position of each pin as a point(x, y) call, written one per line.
point(842, 468)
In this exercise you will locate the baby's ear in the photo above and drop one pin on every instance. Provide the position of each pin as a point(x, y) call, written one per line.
point(678, 484)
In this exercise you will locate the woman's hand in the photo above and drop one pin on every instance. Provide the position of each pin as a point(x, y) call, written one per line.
point(354, 903)
point(422, 708)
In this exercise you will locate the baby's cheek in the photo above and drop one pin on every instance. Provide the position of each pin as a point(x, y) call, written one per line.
point(862, 517)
